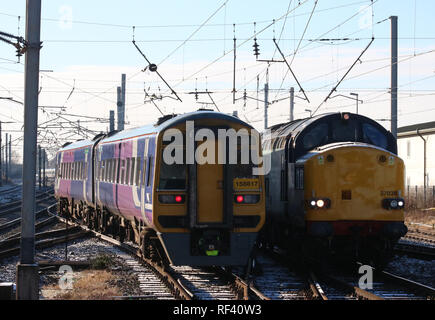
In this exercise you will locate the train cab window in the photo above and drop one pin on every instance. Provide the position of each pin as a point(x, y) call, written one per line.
point(345, 131)
point(172, 176)
point(374, 136)
point(243, 170)
point(317, 136)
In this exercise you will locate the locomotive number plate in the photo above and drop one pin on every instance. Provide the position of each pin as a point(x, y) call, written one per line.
point(244, 183)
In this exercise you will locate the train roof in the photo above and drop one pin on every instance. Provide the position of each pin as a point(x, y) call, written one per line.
point(293, 128)
point(154, 129)
point(76, 145)
point(305, 134)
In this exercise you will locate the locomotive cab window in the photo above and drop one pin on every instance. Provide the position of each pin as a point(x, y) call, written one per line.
point(344, 130)
point(317, 136)
point(374, 136)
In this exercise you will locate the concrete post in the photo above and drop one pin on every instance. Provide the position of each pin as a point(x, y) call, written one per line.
point(27, 269)
point(266, 103)
point(292, 103)
point(394, 76)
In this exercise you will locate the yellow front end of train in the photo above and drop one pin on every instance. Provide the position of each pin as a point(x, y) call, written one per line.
point(207, 213)
point(354, 190)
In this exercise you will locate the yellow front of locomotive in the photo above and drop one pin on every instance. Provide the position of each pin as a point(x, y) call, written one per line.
point(354, 189)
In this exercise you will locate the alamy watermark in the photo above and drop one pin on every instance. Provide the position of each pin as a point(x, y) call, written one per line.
point(66, 17)
point(232, 147)
point(66, 277)
point(366, 280)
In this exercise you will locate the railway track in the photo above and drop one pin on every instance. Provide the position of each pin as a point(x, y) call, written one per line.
point(15, 206)
point(12, 190)
point(415, 250)
point(385, 286)
point(279, 282)
point(276, 282)
point(186, 283)
point(163, 273)
point(11, 247)
point(421, 236)
point(17, 221)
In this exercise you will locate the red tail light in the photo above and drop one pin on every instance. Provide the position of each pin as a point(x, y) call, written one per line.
point(169, 198)
point(247, 198)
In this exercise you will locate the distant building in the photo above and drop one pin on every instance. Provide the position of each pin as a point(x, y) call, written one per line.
point(411, 150)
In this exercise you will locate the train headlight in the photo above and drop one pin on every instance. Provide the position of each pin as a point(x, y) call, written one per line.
point(393, 204)
point(323, 203)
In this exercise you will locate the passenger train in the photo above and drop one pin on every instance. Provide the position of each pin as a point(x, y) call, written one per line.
point(336, 187)
point(185, 213)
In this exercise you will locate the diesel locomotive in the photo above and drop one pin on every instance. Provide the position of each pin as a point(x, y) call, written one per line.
point(188, 212)
point(336, 187)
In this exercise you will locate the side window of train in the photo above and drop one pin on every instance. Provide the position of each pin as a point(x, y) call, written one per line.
point(114, 171)
point(122, 171)
point(127, 171)
point(137, 171)
point(374, 136)
point(150, 167)
point(299, 178)
point(283, 178)
point(103, 170)
point(316, 136)
point(144, 170)
point(132, 171)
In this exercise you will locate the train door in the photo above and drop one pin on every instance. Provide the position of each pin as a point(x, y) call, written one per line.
point(210, 181)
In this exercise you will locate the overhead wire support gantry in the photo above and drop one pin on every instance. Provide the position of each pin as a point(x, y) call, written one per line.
point(344, 76)
point(153, 68)
point(290, 69)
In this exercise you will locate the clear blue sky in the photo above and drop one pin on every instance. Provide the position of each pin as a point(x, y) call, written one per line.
point(90, 41)
point(57, 55)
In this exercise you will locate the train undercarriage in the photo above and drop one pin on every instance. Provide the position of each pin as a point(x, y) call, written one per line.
point(103, 221)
